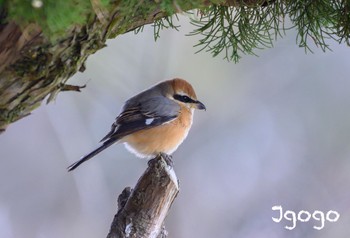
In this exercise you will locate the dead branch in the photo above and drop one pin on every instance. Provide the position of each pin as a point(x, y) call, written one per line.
point(142, 210)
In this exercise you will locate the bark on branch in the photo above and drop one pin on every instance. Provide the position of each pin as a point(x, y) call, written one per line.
point(142, 210)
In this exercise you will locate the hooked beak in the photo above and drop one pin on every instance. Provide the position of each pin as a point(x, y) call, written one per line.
point(200, 106)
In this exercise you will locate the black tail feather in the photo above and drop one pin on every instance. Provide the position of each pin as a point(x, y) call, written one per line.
point(105, 145)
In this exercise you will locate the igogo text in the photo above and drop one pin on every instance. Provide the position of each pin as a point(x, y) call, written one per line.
point(305, 216)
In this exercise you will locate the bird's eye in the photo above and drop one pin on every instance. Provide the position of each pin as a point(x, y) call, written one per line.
point(186, 99)
point(183, 98)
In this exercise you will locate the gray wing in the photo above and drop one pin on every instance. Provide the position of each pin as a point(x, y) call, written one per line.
point(146, 114)
point(135, 116)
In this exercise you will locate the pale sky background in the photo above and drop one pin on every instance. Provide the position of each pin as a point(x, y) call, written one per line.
point(276, 132)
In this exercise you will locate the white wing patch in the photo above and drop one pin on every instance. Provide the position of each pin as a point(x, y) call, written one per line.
point(149, 121)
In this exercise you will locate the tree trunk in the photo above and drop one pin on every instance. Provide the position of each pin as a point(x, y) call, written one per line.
point(141, 211)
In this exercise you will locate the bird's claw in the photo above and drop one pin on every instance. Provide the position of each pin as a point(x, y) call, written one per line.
point(168, 159)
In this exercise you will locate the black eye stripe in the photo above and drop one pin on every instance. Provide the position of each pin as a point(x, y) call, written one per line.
point(184, 98)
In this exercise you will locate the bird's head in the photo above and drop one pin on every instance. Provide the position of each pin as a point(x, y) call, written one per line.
point(183, 93)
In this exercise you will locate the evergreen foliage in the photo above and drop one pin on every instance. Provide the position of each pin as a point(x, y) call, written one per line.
point(234, 31)
point(164, 23)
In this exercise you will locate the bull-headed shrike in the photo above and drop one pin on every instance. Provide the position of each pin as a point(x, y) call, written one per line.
point(155, 121)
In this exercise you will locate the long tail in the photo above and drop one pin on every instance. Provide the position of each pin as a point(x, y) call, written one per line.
point(105, 145)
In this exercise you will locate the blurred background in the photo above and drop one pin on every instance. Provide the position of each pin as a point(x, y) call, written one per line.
point(276, 132)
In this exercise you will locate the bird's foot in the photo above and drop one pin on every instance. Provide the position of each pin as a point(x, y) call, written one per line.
point(168, 159)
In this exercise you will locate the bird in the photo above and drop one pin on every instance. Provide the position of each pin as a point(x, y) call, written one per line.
point(155, 121)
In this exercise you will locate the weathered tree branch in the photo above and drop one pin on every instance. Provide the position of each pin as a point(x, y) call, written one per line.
point(33, 68)
point(141, 211)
